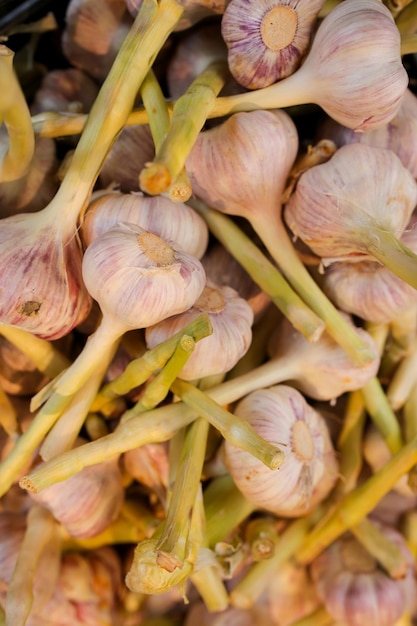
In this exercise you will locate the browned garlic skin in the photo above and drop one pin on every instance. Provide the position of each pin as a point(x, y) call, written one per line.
point(399, 135)
point(336, 203)
point(173, 221)
point(18, 374)
point(355, 591)
point(41, 286)
point(231, 318)
point(281, 415)
point(241, 166)
point(325, 370)
point(139, 278)
point(267, 39)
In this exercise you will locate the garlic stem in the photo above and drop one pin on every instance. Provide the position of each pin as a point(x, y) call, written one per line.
point(41, 529)
point(319, 617)
point(15, 114)
point(8, 415)
point(251, 586)
point(118, 532)
point(236, 431)
point(261, 536)
point(403, 380)
point(382, 415)
point(388, 554)
point(349, 444)
point(139, 370)
point(358, 503)
point(392, 253)
point(188, 118)
point(209, 585)
point(261, 270)
point(43, 353)
point(159, 122)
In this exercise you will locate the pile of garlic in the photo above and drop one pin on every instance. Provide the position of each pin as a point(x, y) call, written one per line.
point(209, 332)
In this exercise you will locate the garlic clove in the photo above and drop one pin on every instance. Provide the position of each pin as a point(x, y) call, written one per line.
point(267, 39)
point(231, 318)
point(173, 221)
point(310, 469)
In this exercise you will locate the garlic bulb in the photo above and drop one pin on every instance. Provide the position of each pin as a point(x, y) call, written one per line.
point(280, 414)
point(149, 465)
point(231, 318)
point(356, 206)
point(18, 374)
point(173, 221)
point(355, 590)
point(399, 135)
point(68, 89)
point(12, 530)
point(267, 39)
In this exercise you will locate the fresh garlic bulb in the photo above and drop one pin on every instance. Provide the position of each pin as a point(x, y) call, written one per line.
point(88, 502)
point(267, 39)
point(281, 415)
point(68, 89)
point(355, 206)
point(399, 135)
point(231, 318)
point(173, 221)
point(149, 465)
point(355, 590)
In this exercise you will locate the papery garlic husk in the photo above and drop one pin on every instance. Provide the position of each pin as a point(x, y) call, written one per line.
point(241, 166)
point(51, 298)
point(173, 221)
point(94, 31)
point(399, 135)
point(231, 318)
point(194, 11)
point(267, 39)
point(68, 89)
point(335, 204)
point(149, 465)
point(132, 149)
point(88, 502)
point(321, 370)
point(139, 278)
point(355, 590)
point(12, 531)
point(281, 415)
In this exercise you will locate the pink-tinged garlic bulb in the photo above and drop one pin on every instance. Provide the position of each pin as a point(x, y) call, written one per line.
point(149, 465)
point(368, 289)
point(267, 39)
point(132, 149)
point(399, 135)
point(355, 590)
point(12, 531)
point(50, 298)
point(233, 152)
point(194, 10)
point(94, 31)
point(231, 318)
point(281, 415)
point(322, 370)
point(88, 502)
point(173, 221)
point(355, 207)
point(68, 89)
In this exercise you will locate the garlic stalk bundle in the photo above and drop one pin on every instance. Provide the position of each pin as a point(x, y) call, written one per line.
point(355, 207)
point(310, 469)
point(355, 590)
point(172, 221)
point(231, 318)
point(267, 39)
point(359, 36)
point(399, 135)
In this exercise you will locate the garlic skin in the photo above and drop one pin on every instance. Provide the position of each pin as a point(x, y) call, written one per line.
point(336, 203)
point(12, 530)
point(69, 89)
point(248, 137)
point(173, 221)
point(231, 318)
point(138, 278)
point(354, 590)
point(399, 135)
point(281, 415)
point(149, 465)
point(267, 39)
point(88, 502)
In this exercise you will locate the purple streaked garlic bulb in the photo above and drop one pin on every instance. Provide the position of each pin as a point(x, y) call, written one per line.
point(399, 135)
point(281, 415)
point(68, 89)
point(355, 207)
point(231, 318)
point(267, 39)
point(88, 502)
point(173, 221)
point(355, 590)
point(322, 370)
